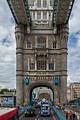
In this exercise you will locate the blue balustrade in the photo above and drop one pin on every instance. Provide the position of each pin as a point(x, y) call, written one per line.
point(60, 116)
point(52, 102)
point(22, 110)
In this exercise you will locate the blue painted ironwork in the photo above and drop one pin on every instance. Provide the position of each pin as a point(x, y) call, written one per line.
point(31, 102)
point(76, 103)
point(52, 102)
point(13, 13)
point(55, 8)
point(60, 116)
point(56, 80)
point(27, 80)
point(27, 11)
point(22, 110)
point(70, 9)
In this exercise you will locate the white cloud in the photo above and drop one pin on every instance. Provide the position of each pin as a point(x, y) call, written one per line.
point(74, 51)
point(7, 47)
point(75, 18)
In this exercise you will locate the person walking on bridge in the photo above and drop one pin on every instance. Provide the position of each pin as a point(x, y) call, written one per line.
point(67, 115)
point(70, 114)
point(73, 116)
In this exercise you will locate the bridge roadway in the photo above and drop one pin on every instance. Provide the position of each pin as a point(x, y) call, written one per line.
point(38, 117)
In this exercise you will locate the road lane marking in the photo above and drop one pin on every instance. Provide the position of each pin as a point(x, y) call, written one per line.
point(21, 116)
point(38, 115)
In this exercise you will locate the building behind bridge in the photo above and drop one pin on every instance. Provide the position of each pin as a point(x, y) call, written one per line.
point(73, 91)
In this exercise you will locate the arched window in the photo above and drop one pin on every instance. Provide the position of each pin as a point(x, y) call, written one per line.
point(41, 43)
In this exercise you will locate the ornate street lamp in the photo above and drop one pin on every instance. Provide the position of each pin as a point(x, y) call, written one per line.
point(56, 80)
point(27, 80)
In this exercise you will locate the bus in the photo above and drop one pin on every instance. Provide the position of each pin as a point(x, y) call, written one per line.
point(45, 109)
point(8, 113)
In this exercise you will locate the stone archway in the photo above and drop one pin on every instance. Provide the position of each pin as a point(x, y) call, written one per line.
point(44, 95)
point(32, 86)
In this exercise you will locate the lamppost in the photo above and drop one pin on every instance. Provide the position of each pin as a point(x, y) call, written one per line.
point(56, 82)
point(27, 80)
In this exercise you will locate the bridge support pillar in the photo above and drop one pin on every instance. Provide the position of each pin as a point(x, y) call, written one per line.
point(19, 34)
point(63, 96)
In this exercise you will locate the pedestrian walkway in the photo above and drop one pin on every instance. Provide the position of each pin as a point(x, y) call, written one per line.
point(54, 115)
point(69, 114)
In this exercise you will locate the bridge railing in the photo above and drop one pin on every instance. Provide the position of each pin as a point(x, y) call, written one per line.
point(60, 116)
point(23, 109)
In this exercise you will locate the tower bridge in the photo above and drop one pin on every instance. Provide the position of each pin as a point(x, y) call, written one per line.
point(41, 33)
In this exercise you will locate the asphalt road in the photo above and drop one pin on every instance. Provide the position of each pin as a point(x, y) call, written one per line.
point(38, 117)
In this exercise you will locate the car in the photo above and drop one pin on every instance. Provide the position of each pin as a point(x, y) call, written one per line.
point(38, 105)
point(30, 113)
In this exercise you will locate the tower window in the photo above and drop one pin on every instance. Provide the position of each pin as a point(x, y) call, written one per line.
point(50, 16)
point(33, 15)
point(51, 66)
point(38, 16)
point(32, 66)
point(29, 45)
point(41, 65)
point(54, 45)
point(41, 43)
point(44, 3)
point(39, 3)
point(44, 15)
point(51, 2)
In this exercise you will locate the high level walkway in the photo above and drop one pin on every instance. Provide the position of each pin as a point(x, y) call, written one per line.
point(61, 11)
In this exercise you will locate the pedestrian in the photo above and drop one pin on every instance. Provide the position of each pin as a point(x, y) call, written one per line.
point(76, 116)
point(73, 116)
point(70, 113)
point(66, 115)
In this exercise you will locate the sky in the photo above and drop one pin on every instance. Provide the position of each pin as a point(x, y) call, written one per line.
point(8, 46)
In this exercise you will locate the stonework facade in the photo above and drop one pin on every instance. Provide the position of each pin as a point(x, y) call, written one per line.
point(41, 54)
point(73, 91)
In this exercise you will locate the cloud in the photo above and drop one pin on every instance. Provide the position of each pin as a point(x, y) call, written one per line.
point(7, 47)
point(75, 18)
point(74, 45)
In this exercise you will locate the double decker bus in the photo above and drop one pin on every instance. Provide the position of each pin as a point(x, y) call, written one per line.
point(45, 109)
point(8, 113)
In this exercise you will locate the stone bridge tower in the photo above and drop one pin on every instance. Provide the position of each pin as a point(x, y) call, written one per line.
point(41, 46)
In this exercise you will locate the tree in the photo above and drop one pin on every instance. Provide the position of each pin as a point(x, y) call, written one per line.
point(4, 90)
